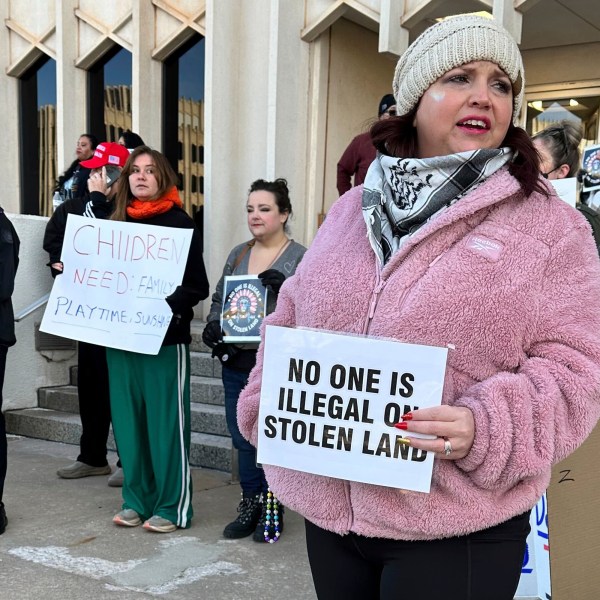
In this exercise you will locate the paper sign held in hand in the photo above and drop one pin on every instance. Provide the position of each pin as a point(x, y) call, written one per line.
point(115, 281)
point(329, 403)
point(244, 308)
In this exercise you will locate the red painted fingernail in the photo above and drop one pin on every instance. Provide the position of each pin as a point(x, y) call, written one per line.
point(401, 425)
point(407, 417)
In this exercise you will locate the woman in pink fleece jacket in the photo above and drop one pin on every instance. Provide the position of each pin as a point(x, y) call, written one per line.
point(466, 246)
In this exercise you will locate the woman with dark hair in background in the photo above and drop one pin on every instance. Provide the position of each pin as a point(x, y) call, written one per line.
point(454, 241)
point(558, 147)
point(73, 182)
point(130, 140)
point(274, 257)
point(150, 394)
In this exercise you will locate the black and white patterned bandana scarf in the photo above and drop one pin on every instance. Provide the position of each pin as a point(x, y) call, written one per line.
point(401, 194)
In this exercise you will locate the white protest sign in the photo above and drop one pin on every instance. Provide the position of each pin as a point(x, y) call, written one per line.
point(566, 189)
point(115, 279)
point(329, 403)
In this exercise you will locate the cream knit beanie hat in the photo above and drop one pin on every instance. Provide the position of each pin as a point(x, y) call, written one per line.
point(450, 44)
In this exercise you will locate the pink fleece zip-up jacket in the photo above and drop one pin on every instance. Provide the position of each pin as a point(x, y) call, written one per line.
point(513, 284)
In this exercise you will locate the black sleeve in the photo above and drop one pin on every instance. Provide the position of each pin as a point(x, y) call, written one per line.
point(194, 286)
point(9, 257)
point(99, 205)
point(55, 233)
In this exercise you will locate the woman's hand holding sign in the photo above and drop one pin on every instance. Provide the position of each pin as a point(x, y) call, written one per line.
point(453, 425)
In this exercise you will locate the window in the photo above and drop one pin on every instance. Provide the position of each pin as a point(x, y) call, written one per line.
point(39, 169)
point(109, 84)
point(183, 133)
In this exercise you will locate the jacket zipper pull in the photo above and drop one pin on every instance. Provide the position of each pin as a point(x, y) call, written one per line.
point(374, 297)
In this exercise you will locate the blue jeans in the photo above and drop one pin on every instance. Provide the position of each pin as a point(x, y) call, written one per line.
point(252, 477)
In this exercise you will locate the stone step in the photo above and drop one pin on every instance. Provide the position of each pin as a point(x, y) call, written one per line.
point(204, 365)
point(212, 451)
point(205, 418)
point(208, 418)
point(203, 390)
point(45, 424)
point(62, 398)
point(201, 364)
point(207, 450)
point(207, 389)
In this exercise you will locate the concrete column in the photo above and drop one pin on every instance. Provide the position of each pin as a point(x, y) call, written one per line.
point(71, 89)
point(9, 123)
point(287, 106)
point(317, 132)
point(393, 39)
point(512, 19)
point(146, 101)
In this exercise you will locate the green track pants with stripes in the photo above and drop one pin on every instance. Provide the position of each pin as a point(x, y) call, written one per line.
point(150, 406)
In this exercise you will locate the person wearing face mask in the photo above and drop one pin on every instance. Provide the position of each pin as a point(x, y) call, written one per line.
point(558, 147)
point(360, 152)
point(454, 241)
point(104, 169)
point(150, 394)
point(72, 183)
point(274, 257)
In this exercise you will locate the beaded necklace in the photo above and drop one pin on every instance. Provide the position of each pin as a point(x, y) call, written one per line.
point(272, 511)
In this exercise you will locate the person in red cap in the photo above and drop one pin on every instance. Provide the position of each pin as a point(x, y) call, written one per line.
point(92, 374)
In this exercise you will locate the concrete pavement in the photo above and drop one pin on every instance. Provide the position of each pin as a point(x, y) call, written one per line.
point(60, 543)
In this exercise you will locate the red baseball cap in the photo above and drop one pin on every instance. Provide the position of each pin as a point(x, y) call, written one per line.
point(107, 153)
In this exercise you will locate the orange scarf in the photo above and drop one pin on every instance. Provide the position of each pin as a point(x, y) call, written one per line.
point(143, 209)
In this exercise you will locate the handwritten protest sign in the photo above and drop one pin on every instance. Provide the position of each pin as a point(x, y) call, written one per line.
point(115, 279)
point(329, 403)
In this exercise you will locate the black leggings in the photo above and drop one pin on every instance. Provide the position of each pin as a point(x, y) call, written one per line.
point(485, 565)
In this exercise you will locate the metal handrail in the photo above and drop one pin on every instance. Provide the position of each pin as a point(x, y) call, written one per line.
point(32, 307)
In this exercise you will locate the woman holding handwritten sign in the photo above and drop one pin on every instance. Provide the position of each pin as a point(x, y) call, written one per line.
point(454, 240)
point(274, 256)
point(150, 394)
